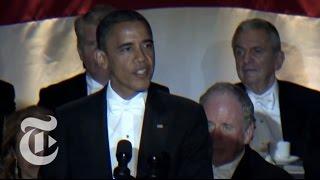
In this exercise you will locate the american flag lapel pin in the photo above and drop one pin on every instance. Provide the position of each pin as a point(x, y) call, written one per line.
point(159, 126)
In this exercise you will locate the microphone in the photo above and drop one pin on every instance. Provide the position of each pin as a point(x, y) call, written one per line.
point(124, 154)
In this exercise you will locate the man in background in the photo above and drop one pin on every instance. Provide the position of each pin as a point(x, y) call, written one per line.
point(96, 74)
point(7, 104)
point(230, 116)
point(284, 108)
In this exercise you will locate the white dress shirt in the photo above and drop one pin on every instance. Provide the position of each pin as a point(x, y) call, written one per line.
point(92, 85)
point(125, 119)
point(226, 171)
point(268, 121)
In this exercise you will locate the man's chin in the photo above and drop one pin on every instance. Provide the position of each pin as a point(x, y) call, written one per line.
point(220, 149)
point(142, 90)
point(143, 87)
point(219, 162)
point(249, 82)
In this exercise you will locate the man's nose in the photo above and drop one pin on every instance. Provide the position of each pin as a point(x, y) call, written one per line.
point(140, 55)
point(216, 133)
point(247, 57)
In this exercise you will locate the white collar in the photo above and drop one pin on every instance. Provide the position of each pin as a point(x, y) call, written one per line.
point(111, 94)
point(268, 100)
point(226, 171)
point(92, 85)
point(273, 89)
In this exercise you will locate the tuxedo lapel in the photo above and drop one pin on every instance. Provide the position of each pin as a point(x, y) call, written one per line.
point(83, 91)
point(77, 87)
point(243, 169)
point(154, 132)
point(104, 127)
point(240, 85)
point(292, 117)
point(284, 109)
point(99, 131)
point(289, 112)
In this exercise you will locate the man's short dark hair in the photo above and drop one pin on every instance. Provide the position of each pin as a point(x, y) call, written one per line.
point(241, 96)
point(114, 18)
point(259, 24)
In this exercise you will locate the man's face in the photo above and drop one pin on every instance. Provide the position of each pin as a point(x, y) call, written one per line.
point(86, 51)
point(226, 127)
point(88, 45)
point(130, 54)
point(256, 61)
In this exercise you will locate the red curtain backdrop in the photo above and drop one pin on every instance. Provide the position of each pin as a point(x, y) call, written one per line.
point(17, 11)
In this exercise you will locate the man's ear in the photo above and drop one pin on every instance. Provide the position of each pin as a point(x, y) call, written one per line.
point(279, 60)
point(80, 52)
point(248, 135)
point(101, 59)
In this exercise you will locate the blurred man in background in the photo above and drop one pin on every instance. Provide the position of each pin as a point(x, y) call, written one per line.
point(96, 74)
point(287, 110)
point(230, 116)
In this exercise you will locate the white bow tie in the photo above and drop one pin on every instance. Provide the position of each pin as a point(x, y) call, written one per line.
point(135, 105)
point(266, 101)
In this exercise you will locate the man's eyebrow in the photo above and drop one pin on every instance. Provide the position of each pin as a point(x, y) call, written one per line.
point(237, 46)
point(130, 43)
point(148, 40)
point(124, 45)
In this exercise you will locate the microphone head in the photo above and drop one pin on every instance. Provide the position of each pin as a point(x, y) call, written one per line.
point(124, 150)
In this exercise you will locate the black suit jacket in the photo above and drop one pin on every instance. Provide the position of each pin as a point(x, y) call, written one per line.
point(83, 144)
point(7, 104)
point(300, 121)
point(7, 95)
point(69, 90)
point(253, 166)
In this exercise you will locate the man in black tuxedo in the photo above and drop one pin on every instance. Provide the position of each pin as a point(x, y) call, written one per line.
point(7, 104)
point(171, 128)
point(291, 109)
point(230, 115)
